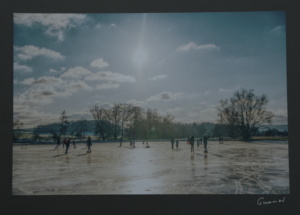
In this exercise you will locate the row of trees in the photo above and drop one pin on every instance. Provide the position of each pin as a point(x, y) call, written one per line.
point(132, 122)
point(241, 116)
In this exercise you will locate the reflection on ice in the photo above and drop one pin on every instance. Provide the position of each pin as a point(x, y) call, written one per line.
point(230, 168)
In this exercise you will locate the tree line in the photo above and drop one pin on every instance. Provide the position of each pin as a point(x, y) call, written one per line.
point(242, 116)
point(122, 121)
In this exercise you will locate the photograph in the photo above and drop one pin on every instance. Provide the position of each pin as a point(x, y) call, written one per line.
point(150, 103)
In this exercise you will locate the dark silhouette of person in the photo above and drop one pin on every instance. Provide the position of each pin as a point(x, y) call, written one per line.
point(74, 144)
point(177, 144)
point(57, 142)
point(192, 141)
point(221, 140)
point(67, 145)
point(64, 143)
point(121, 141)
point(89, 143)
point(147, 145)
point(172, 142)
point(188, 140)
point(205, 138)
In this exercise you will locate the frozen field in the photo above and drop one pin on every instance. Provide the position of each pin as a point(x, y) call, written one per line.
point(229, 168)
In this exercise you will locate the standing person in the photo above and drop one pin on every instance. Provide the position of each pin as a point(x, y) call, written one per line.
point(221, 140)
point(89, 143)
point(74, 144)
point(177, 143)
point(64, 143)
point(188, 140)
point(121, 140)
point(172, 142)
point(67, 145)
point(205, 142)
point(192, 140)
point(57, 142)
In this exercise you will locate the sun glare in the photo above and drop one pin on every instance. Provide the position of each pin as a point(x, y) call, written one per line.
point(140, 57)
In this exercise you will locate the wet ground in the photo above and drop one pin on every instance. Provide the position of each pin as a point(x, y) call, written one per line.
point(229, 168)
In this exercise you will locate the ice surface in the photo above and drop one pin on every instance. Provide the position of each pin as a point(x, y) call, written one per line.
point(230, 168)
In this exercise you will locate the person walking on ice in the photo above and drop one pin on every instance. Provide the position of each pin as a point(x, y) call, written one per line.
point(192, 141)
point(121, 141)
point(89, 143)
point(172, 142)
point(205, 137)
point(221, 140)
point(64, 143)
point(57, 142)
point(177, 144)
point(67, 145)
point(74, 143)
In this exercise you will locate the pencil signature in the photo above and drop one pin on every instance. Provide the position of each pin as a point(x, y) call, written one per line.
point(262, 201)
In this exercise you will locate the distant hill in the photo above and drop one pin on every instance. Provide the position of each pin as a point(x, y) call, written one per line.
point(278, 127)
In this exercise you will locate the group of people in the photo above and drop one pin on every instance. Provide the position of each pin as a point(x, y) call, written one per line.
point(66, 142)
point(174, 141)
point(191, 141)
point(132, 143)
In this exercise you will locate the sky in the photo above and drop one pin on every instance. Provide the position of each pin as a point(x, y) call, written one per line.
point(177, 63)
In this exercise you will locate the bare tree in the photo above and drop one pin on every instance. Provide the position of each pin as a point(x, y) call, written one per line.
point(152, 123)
point(114, 116)
point(126, 112)
point(246, 112)
point(63, 123)
point(99, 114)
point(17, 130)
point(167, 126)
point(135, 125)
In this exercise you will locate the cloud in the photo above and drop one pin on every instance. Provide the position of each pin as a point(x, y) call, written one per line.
point(165, 96)
point(137, 102)
point(107, 86)
point(194, 46)
point(62, 69)
point(278, 29)
point(44, 80)
point(221, 90)
point(31, 117)
point(44, 89)
point(28, 52)
point(54, 25)
point(110, 76)
point(158, 77)
point(99, 63)
point(76, 72)
point(73, 85)
point(52, 70)
point(22, 68)
point(232, 90)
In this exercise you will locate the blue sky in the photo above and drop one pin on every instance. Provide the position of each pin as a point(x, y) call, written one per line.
point(178, 63)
